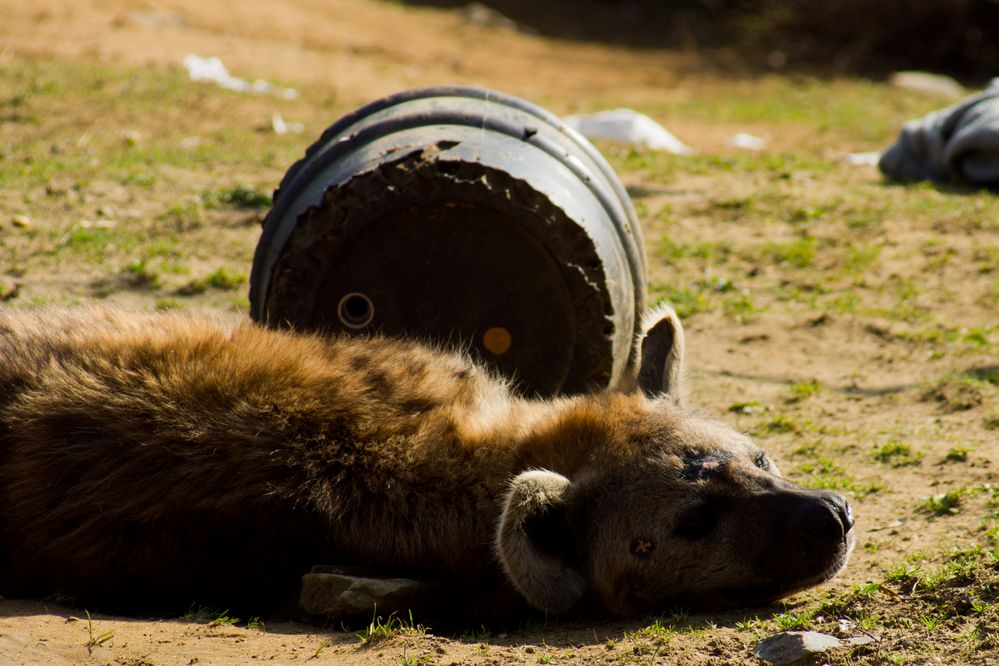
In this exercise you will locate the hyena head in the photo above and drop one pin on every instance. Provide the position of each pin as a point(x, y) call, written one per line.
point(691, 515)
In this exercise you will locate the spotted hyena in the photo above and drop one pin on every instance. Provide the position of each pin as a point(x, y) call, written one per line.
point(149, 461)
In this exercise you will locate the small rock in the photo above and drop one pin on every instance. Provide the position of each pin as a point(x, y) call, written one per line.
point(22, 221)
point(928, 84)
point(476, 13)
point(339, 595)
point(795, 647)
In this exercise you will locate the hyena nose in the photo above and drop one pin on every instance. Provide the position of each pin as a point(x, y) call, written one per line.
point(825, 518)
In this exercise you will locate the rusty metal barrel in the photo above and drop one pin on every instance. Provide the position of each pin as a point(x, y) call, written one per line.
point(465, 217)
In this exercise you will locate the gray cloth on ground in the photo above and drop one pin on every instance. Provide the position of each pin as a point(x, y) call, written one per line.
point(961, 141)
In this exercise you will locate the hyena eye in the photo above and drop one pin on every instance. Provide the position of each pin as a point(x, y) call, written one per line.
point(762, 462)
point(697, 523)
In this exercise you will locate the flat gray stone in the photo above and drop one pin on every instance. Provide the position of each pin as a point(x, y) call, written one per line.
point(795, 647)
point(331, 594)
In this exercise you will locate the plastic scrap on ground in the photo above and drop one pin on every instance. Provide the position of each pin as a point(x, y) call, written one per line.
point(213, 70)
point(747, 141)
point(960, 141)
point(628, 126)
point(870, 158)
point(280, 126)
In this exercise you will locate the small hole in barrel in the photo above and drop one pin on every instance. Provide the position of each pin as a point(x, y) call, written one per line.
point(355, 310)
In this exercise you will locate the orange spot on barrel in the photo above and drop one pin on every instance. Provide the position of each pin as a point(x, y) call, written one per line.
point(497, 340)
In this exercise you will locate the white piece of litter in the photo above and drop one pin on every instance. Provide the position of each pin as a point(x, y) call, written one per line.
point(864, 159)
point(747, 141)
point(212, 70)
point(628, 126)
point(281, 127)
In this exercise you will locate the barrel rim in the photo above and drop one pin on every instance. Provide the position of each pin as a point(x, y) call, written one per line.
point(327, 149)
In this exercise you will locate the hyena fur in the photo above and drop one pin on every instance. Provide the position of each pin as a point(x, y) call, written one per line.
point(148, 461)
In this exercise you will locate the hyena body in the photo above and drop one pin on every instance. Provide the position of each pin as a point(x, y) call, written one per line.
point(151, 461)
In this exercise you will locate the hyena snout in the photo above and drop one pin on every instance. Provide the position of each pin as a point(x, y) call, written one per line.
point(823, 519)
point(810, 540)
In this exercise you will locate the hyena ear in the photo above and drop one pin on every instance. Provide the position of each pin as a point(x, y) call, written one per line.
point(661, 364)
point(534, 543)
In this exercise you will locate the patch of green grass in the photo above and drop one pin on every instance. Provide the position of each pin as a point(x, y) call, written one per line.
point(106, 100)
point(197, 613)
point(940, 333)
point(686, 301)
point(750, 407)
point(807, 214)
point(803, 390)
point(943, 504)
point(986, 375)
point(323, 644)
point(845, 484)
point(860, 258)
point(479, 635)
point(185, 215)
point(96, 639)
point(696, 249)
point(986, 258)
point(225, 279)
point(779, 424)
point(801, 620)
point(240, 197)
point(169, 303)
point(860, 109)
point(657, 630)
point(824, 474)
point(223, 619)
point(381, 629)
point(958, 453)
point(797, 253)
point(949, 502)
point(822, 465)
point(898, 454)
point(222, 279)
point(95, 244)
point(140, 275)
point(740, 306)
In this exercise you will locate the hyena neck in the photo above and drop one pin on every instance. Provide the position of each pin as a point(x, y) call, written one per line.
point(442, 499)
point(575, 432)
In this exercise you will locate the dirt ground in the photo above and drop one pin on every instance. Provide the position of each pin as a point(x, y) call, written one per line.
point(848, 324)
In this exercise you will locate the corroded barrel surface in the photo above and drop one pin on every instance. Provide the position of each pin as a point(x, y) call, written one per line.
point(467, 217)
